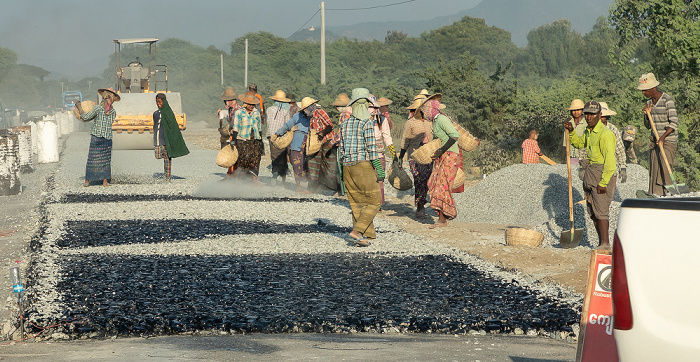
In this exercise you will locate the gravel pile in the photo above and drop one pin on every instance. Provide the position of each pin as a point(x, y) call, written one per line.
point(144, 257)
point(536, 196)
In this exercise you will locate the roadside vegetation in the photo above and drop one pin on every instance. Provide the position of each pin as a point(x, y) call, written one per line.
point(495, 89)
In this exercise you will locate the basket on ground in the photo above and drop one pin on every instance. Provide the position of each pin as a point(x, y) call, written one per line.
point(283, 141)
point(525, 237)
point(313, 145)
point(227, 157)
point(466, 141)
point(399, 178)
point(460, 178)
point(424, 153)
point(87, 106)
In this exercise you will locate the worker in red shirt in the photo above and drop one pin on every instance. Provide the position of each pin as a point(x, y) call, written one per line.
point(531, 150)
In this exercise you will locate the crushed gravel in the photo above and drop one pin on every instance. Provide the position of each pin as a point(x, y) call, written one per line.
point(145, 257)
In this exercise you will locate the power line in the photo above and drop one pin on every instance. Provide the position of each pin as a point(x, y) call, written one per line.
point(373, 7)
point(351, 9)
point(302, 27)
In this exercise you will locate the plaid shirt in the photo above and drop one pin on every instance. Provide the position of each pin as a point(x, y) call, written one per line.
point(665, 116)
point(531, 151)
point(102, 126)
point(319, 121)
point(247, 124)
point(357, 142)
point(620, 153)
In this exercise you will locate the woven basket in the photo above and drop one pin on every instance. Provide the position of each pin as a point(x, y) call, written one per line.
point(284, 141)
point(313, 145)
point(526, 237)
point(466, 141)
point(399, 178)
point(460, 177)
point(87, 106)
point(227, 157)
point(424, 153)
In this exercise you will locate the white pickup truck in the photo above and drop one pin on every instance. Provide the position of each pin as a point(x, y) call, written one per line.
point(656, 280)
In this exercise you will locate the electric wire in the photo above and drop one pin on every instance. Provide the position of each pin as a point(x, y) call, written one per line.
point(302, 27)
point(351, 9)
point(373, 7)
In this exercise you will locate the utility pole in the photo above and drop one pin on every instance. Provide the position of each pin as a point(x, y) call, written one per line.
point(222, 70)
point(245, 77)
point(323, 42)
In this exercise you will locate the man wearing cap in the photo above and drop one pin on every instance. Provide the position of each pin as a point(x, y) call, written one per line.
point(246, 135)
point(665, 119)
point(99, 161)
point(576, 111)
point(278, 115)
point(362, 170)
point(599, 179)
point(620, 158)
point(416, 133)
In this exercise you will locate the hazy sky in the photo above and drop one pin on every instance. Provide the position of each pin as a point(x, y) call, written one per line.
point(66, 37)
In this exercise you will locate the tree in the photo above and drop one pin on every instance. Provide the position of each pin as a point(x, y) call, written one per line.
point(672, 27)
point(554, 49)
point(394, 37)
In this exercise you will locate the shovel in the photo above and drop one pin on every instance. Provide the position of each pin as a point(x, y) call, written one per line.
point(572, 237)
point(548, 160)
point(676, 188)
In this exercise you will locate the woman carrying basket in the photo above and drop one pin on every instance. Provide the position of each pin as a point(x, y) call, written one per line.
point(446, 160)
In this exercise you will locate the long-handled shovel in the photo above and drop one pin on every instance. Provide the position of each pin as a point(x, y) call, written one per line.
point(676, 188)
point(570, 238)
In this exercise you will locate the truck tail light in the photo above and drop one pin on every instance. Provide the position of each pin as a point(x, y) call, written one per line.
point(622, 309)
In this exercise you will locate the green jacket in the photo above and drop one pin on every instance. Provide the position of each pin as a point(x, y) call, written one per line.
point(174, 143)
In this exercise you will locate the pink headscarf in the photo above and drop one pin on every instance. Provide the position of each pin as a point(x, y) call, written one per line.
point(430, 109)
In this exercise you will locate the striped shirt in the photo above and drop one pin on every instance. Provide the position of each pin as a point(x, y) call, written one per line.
point(600, 149)
point(665, 116)
point(357, 142)
point(620, 152)
point(102, 126)
point(247, 124)
point(276, 118)
point(416, 132)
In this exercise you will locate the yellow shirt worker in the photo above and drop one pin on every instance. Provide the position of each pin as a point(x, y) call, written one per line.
point(599, 180)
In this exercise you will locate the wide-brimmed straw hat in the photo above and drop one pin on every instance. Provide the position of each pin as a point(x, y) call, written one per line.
point(115, 96)
point(248, 98)
point(384, 101)
point(605, 110)
point(229, 94)
point(647, 81)
point(576, 104)
point(280, 96)
point(415, 105)
point(341, 100)
point(305, 102)
point(359, 93)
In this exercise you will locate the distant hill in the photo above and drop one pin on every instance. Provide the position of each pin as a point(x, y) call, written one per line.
point(516, 16)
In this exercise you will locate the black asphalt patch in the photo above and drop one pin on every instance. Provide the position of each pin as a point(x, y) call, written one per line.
point(83, 233)
point(108, 295)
